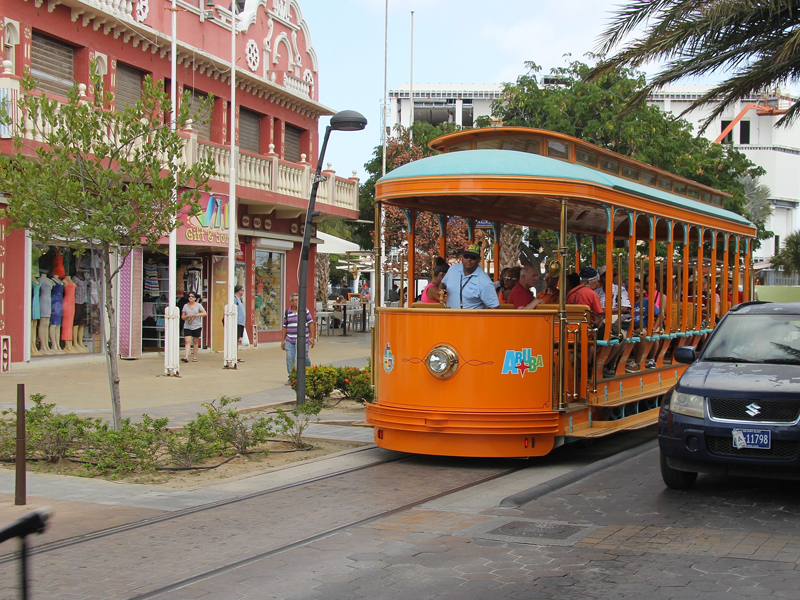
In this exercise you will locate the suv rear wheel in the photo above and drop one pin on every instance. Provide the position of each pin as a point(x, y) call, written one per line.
point(674, 479)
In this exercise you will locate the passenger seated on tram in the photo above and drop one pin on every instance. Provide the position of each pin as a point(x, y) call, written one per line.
point(640, 324)
point(573, 281)
point(584, 293)
point(467, 285)
point(521, 296)
point(431, 292)
point(550, 294)
point(509, 280)
point(615, 287)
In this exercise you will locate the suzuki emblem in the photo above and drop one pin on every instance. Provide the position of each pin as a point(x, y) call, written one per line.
point(753, 409)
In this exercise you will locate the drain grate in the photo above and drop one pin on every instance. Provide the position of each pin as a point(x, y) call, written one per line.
point(536, 532)
point(537, 529)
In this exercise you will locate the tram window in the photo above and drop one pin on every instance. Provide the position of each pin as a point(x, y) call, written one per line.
point(612, 166)
point(490, 144)
point(530, 145)
point(648, 178)
point(693, 193)
point(717, 200)
point(557, 149)
point(459, 147)
point(680, 188)
point(665, 184)
point(630, 172)
point(705, 197)
point(586, 158)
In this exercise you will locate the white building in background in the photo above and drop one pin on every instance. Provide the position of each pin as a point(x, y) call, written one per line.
point(438, 103)
point(777, 150)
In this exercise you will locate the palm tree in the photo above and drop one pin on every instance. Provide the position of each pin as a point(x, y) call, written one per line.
point(756, 42)
point(757, 206)
point(788, 258)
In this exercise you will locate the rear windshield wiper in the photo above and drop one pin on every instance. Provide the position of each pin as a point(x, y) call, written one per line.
point(729, 359)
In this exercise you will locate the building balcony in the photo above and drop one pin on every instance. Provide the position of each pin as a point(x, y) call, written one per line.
point(258, 172)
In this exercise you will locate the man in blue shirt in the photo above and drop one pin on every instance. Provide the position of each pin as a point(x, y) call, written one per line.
point(467, 285)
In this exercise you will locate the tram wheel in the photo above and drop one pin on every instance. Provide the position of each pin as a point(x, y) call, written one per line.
point(674, 479)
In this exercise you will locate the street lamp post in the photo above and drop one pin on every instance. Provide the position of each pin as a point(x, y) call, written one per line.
point(346, 120)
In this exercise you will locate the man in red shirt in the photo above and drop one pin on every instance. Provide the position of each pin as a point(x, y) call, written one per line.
point(585, 294)
point(521, 295)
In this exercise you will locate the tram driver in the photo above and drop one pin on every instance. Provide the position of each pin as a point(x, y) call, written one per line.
point(467, 285)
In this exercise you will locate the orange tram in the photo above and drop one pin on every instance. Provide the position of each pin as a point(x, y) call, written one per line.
point(518, 383)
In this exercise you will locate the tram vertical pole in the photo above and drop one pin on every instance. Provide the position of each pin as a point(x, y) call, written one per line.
point(376, 328)
point(562, 311)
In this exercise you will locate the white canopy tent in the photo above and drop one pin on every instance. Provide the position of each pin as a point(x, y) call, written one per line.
point(334, 245)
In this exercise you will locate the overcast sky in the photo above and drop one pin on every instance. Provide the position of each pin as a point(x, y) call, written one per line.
point(462, 41)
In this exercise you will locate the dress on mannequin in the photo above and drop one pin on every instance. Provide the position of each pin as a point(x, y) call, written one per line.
point(45, 294)
point(58, 265)
point(57, 303)
point(68, 314)
point(36, 309)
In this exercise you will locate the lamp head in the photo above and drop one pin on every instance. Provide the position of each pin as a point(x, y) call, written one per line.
point(348, 120)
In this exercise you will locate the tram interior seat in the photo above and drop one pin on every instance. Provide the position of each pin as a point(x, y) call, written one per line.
point(439, 305)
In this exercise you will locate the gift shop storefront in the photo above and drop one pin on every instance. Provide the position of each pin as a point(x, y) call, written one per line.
point(202, 268)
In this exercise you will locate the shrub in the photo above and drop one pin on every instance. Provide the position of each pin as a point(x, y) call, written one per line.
point(187, 447)
point(320, 382)
point(134, 448)
point(293, 423)
point(224, 428)
point(360, 386)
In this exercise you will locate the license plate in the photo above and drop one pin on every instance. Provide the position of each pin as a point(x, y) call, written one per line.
point(752, 438)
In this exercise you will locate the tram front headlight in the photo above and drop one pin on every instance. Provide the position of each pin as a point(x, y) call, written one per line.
point(442, 362)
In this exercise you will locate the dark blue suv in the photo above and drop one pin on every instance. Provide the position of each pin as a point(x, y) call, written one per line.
point(736, 409)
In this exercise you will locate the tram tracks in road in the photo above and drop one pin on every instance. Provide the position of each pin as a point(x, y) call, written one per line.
point(310, 539)
point(188, 511)
point(155, 556)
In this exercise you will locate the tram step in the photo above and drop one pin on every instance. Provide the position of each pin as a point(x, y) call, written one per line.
point(604, 428)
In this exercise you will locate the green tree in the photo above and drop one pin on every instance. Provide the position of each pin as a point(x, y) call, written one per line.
point(788, 257)
point(596, 109)
point(754, 43)
point(757, 206)
point(407, 145)
point(90, 175)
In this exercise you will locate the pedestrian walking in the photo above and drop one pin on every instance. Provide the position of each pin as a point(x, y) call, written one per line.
point(192, 317)
point(289, 333)
point(238, 292)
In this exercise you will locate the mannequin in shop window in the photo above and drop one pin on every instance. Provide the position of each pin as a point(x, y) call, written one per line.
point(45, 310)
point(56, 314)
point(79, 322)
point(68, 315)
point(58, 264)
point(194, 278)
point(35, 307)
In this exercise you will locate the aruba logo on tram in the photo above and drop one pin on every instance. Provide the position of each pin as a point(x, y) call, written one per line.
point(519, 362)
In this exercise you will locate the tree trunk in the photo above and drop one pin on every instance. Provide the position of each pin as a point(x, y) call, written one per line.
point(323, 272)
point(510, 237)
point(112, 359)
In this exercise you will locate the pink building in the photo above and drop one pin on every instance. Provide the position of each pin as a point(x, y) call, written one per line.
point(275, 126)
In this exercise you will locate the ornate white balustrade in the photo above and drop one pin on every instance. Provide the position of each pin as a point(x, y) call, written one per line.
point(261, 172)
point(298, 86)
